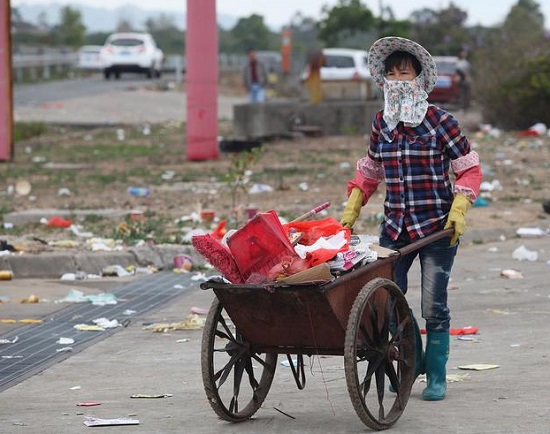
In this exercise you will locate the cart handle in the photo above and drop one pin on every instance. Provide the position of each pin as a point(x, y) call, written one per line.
point(425, 241)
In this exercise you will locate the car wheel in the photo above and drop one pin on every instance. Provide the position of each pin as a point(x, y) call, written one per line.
point(117, 75)
point(106, 74)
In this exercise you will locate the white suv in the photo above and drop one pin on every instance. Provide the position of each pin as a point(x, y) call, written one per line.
point(131, 52)
point(346, 75)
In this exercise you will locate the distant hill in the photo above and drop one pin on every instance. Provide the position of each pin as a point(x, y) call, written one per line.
point(98, 19)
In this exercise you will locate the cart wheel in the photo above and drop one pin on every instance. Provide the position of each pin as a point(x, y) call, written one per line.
point(228, 367)
point(379, 344)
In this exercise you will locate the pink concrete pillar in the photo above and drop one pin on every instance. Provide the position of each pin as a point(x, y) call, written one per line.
point(201, 50)
point(6, 96)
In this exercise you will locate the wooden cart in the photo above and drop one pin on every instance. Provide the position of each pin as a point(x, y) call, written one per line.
point(362, 315)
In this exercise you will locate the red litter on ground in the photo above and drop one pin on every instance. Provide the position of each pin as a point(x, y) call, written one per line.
point(458, 332)
point(59, 222)
point(88, 404)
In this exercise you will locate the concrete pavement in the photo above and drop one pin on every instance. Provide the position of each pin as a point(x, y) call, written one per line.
point(511, 315)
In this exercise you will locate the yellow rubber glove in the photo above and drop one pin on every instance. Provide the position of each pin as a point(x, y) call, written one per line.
point(353, 208)
point(461, 204)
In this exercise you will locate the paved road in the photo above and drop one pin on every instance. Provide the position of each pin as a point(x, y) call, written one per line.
point(31, 94)
point(94, 101)
point(511, 314)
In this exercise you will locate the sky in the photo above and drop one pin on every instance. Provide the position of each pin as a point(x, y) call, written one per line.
point(277, 13)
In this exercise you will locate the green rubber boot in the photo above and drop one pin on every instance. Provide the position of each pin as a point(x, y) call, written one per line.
point(437, 354)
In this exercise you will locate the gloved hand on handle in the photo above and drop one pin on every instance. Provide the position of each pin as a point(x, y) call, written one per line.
point(353, 208)
point(456, 219)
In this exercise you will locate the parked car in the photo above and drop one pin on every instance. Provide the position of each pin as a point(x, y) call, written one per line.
point(345, 74)
point(89, 58)
point(447, 88)
point(131, 52)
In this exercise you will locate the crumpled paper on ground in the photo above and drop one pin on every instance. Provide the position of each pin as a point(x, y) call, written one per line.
point(192, 322)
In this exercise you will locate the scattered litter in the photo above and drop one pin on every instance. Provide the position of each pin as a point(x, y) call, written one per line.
point(536, 130)
point(106, 324)
point(183, 262)
point(64, 350)
point(9, 341)
point(287, 363)
point(75, 388)
point(260, 188)
point(511, 274)
point(531, 232)
point(30, 299)
point(88, 404)
point(12, 357)
point(492, 249)
point(450, 378)
point(282, 412)
point(94, 421)
point(478, 367)
point(499, 311)
point(303, 186)
point(64, 192)
point(164, 395)
point(65, 341)
point(180, 341)
point(468, 339)
point(30, 321)
point(515, 345)
point(129, 312)
point(115, 270)
point(468, 330)
point(57, 222)
point(139, 191)
point(76, 296)
point(7, 321)
point(88, 328)
point(77, 230)
point(199, 311)
point(524, 254)
point(199, 276)
point(101, 244)
point(80, 275)
point(192, 322)
point(6, 275)
point(23, 187)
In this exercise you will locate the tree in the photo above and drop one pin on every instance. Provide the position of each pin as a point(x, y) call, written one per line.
point(514, 89)
point(442, 32)
point(251, 32)
point(166, 33)
point(70, 31)
point(124, 25)
point(346, 24)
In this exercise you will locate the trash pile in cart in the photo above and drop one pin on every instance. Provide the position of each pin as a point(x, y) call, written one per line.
point(265, 250)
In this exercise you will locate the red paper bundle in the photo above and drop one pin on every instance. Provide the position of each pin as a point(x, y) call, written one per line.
point(219, 256)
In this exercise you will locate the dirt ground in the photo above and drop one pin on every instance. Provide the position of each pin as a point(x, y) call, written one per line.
point(76, 169)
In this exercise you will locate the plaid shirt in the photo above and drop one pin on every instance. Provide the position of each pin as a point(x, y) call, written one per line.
point(414, 162)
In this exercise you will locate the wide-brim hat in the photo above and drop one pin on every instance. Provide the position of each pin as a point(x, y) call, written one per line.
point(382, 48)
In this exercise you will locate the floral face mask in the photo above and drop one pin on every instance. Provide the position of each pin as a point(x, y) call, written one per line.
point(404, 101)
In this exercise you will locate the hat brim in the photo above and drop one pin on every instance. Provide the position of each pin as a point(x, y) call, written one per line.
point(383, 47)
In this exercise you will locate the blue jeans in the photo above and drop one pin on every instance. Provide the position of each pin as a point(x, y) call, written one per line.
point(436, 262)
point(256, 93)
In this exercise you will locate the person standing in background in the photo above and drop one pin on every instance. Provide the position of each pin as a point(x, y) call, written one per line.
point(463, 69)
point(254, 78)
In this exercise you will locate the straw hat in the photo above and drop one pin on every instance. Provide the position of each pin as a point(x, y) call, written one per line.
point(382, 48)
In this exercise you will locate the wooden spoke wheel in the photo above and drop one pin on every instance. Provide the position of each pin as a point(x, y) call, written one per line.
point(236, 379)
point(379, 351)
